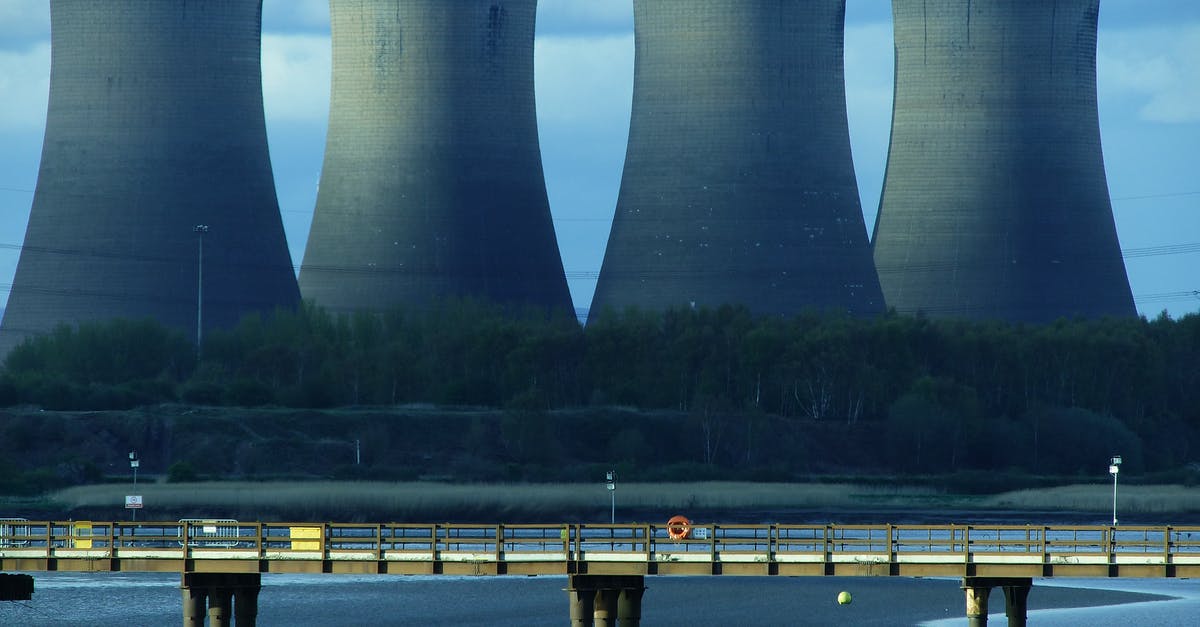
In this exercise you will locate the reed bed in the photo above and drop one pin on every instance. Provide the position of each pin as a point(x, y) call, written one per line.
point(1150, 499)
point(424, 498)
point(352, 501)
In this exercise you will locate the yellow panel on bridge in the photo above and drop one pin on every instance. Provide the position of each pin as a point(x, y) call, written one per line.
point(306, 538)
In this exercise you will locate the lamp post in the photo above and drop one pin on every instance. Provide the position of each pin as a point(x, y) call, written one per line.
point(611, 476)
point(133, 464)
point(200, 230)
point(1114, 467)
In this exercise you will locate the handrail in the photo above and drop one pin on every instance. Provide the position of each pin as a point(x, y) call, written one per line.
point(227, 539)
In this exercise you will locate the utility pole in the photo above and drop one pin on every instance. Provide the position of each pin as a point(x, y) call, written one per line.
point(133, 464)
point(1114, 467)
point(612, 494)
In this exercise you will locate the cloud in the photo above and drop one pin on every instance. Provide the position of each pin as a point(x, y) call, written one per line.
point(296, 75)
point(1158, 68)
point(24, 87)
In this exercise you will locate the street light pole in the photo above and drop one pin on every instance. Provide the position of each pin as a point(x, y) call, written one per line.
point(134, 463)
point(1114, 467)
point(612, 494)
point(200, 230)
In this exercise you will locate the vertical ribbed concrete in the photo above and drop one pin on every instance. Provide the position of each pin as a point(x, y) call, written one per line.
point(995, 203)
point(739, 186)
point(155, 125)
point(432, 185)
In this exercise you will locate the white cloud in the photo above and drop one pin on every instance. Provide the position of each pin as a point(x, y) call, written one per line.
point(1159, 67)
point(24, 87)
point(296, 75)
point(585, 80)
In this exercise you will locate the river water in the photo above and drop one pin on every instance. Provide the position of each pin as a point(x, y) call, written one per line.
point(111, 599)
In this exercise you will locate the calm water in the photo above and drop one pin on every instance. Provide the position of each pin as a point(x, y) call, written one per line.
point(149, 599)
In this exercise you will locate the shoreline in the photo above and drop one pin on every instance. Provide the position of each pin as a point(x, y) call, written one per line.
point(727, 502)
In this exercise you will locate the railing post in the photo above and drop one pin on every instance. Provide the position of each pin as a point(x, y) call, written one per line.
point(772, 542)
point(499, 543)
point(1168, 560)
point(647, 540)
point(891, 544)
point(1113, 569)
point(712, 545)
point(967, 557)
point(378, 543)
point(828, 545)
point(435, 542)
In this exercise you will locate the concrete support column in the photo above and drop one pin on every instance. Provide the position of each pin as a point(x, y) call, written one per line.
point(219, 591)
point(1016, 596)
point(195, 603)
point(1016, 603)
point(16, 587)
point(245, 607)
point(606, 600)
point(606, 607)
point(629, 607)
point(220, 607)
point(583, 603)
point(977, 605)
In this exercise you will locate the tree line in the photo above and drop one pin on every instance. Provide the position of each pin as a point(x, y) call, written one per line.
point(907, 394)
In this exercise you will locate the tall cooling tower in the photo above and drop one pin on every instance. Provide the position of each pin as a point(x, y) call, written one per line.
point(432, 186)
point(155, 126)
point(739, 186)
point(995, 203)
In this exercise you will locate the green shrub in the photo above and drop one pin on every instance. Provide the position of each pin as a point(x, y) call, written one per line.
point(181, 472)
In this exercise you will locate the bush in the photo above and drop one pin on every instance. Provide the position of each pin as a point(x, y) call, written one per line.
point(181, 472)
point(202, 393)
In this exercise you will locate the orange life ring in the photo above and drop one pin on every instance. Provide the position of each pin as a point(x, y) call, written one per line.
point(679, 528)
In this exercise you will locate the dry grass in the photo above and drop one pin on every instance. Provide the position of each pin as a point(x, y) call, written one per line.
point(424, 500)
point(1154, 499)
point(410, 499)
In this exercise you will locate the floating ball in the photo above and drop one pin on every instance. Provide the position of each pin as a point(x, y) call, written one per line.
point(844, 598)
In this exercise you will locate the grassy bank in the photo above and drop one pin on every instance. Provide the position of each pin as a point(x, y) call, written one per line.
point(425, 501)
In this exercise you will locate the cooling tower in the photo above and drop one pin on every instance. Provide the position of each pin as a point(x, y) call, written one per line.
point(432, 186)
point(739, 186)
point(155, 126)
point(995, 203)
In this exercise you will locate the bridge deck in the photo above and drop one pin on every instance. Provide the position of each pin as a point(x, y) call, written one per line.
point(225, 546)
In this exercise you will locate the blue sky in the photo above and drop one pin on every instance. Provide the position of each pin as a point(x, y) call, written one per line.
point(1149, 89)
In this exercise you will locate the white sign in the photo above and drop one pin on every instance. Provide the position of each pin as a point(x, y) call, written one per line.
point(133, 502)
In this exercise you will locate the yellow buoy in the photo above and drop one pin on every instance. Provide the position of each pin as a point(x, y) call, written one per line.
point(844, 598)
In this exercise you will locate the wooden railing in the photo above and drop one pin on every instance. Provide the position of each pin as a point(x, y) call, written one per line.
point(898, 550)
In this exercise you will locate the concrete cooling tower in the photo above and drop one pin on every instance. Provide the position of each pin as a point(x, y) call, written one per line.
point(432, 186)
point(995, 203)
point(155, 126)
point(739, 186)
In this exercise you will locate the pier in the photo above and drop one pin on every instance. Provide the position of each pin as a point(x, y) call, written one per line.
point(221, 562)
